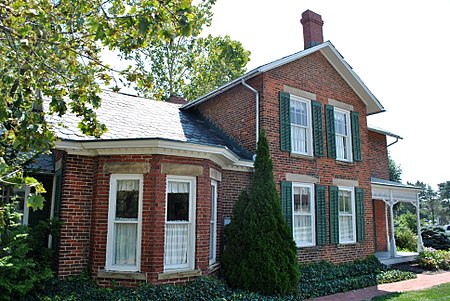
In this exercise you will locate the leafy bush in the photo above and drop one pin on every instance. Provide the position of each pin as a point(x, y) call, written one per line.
point(317, 279)
point(405, 239)
point(19, 273)
point(431, 259)
point(260, 254)
point(436, 238)
point(390, 276)
point(324, 278)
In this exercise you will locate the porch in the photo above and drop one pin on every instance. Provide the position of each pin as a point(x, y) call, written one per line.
point(390, 193)
point(401, 257)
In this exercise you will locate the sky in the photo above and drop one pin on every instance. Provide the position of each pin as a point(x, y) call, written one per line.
point(400, 49)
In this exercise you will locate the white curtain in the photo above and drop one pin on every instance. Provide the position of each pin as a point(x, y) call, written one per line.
point(303, 228)
point(178, 187)
point(176, 245)
point(299, 139)
point(127, 185)
point(346, 228)
point(125, 244)
point(340, 147)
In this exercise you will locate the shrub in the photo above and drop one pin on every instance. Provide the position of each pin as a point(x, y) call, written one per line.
point(405, 239)
point(431, 259)
point(260, 254)
point(324, 278)
point(436, 238)
point(407, 220)
point(18, 272)
point(390, 276)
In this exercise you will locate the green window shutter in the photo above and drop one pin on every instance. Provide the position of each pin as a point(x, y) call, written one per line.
point(286, 202)
point(334, 215)
point(58, 191)
point(331, 138)
point(321, 216)
point(317, 128)
point(360, 223)
point(285, 121)
point(356, 136)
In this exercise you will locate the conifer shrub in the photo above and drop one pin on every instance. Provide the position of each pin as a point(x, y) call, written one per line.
point(436, 238)
point(260, 254)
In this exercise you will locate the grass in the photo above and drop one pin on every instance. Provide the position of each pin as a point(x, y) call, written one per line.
point(436, 293)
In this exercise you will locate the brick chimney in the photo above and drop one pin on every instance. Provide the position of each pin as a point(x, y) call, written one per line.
point(312, 28)
point(176, 99)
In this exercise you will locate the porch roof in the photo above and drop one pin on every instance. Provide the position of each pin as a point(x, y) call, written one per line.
point(389, 190)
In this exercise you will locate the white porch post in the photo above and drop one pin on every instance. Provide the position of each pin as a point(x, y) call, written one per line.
point(392, 247)
point(419, 235)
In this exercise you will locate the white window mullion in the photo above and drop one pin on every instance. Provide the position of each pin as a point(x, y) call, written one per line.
point(303, 214)
point(301, 129)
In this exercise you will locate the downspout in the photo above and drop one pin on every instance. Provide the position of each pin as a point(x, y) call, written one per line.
point(393, 142)
point(256, 110)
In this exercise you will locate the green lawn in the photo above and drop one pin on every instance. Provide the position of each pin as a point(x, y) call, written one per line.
point(440, 292)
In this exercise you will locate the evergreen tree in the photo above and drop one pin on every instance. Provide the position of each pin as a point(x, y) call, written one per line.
point(260, 254)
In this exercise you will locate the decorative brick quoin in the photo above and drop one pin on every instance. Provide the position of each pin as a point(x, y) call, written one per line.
point(149, 200)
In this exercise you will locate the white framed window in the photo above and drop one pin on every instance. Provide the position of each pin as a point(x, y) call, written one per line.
point(123, 246)
point(347, 217)
point(343, 135)
point(21, 195)
point(303, 214)
point(301, 129)
point(179, 244)
point(213, 224)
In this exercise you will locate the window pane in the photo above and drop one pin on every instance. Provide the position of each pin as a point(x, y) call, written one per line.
point(345, 202)
point(127, 199)
point(302, 200)
point(299, 113)
point(176, 245)
point(303, 229)
point(125, 244)
point(178, 207)
point(340, 123)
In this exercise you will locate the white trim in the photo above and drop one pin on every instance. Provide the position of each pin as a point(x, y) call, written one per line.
point(333, 57)
point(313, 213)
point(192, 221)
point(213, 223)
point(52, 205)
point(309, 137)
point(26, 209)
point(219, 155)
point(353, 204)
point(348, 137)
point(109, 266)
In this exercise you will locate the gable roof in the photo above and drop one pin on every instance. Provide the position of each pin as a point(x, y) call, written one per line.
point(333, 57)
point(130, 118)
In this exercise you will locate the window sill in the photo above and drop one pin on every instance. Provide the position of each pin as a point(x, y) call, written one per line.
point(302, 156)
point(179, 274)
point(214, 267)
point(122, 275)
point(351, 163)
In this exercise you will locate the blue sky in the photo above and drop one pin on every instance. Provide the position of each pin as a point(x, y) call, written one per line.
point(398, 48)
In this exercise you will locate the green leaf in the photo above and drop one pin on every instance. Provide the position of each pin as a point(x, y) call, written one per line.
point(35, 201)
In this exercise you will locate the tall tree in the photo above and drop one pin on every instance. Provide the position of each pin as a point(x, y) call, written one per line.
point(50, 49)
point(188, 66)
point(395, 171)
point(430, 204)
point(260, 254)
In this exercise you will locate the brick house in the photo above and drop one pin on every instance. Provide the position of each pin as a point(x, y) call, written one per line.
point(148, 201)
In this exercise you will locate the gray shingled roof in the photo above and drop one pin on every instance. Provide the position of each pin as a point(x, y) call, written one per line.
point(129, 117)
point(383, 182)
point(41, 164)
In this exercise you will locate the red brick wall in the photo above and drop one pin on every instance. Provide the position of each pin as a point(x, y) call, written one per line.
point(378, 155)
point(76, 202)
point(234, 112)
point(380, 223)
